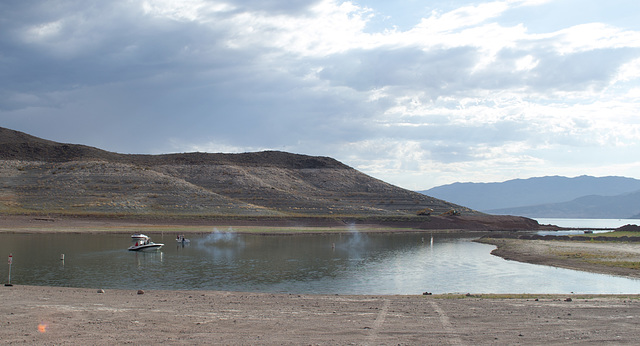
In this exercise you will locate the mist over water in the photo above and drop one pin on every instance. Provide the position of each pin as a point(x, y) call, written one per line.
point(221, 238)
point(354, 240)
point(220, 246)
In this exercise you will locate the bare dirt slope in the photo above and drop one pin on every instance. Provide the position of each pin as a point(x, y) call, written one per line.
point(44, 176)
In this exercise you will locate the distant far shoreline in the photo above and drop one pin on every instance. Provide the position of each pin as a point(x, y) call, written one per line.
point(127, 224)
point(256, 225)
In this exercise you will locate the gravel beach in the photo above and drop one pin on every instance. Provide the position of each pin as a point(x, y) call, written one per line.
point(73, 316)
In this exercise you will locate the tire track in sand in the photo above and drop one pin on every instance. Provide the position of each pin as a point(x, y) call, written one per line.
point(377, 324)
point(452, 336)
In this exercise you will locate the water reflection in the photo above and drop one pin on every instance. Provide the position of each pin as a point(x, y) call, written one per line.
point(146, 259)
point(352, 263)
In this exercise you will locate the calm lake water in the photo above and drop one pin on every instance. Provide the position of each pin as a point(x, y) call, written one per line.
point(354, 263)
point(588, 223)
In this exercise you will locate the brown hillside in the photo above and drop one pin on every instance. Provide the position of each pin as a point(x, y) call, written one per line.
point(41, 176)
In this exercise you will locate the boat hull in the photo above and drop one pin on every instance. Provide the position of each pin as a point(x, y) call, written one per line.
point(146, 247)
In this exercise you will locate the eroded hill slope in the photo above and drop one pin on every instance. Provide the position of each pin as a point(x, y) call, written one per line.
point(41, 176)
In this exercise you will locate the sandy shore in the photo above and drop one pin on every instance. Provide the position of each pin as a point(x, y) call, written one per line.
point(72, 316)
point(613, 258)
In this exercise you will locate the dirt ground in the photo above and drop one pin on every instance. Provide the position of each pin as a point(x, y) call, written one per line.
point(74, 316)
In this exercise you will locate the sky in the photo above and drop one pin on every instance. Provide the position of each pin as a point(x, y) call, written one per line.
point(415, 93)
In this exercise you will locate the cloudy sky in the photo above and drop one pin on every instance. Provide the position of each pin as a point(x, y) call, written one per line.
point(416, 93)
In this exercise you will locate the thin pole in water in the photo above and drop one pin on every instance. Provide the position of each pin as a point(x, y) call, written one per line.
point(10, 261)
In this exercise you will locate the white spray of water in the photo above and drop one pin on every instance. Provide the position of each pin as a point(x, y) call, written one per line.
point(221, 245)
point(222, 238)
point(355, 240)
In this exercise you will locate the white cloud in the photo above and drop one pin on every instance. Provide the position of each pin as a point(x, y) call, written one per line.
point(526, 63)
point(628, 72)
point(461, 18)
point(185, 10)
point(592, 36)
point(329, 28)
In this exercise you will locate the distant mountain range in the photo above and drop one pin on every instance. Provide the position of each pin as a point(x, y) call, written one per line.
point(551, 197)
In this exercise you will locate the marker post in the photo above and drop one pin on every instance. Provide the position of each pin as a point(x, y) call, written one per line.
point(10, 262)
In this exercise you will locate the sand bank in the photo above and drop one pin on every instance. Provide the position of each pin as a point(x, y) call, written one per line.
point(613, 258)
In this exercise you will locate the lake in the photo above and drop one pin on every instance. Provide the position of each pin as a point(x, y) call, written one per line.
point(354, 263)
point(587, 223)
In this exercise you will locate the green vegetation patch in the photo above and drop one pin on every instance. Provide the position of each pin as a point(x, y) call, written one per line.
point(600, 259)
point(621, 264)
point(614, 234)
point(532, 296)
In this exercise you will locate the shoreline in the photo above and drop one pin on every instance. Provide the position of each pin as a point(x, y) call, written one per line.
point(332, 223)
point(37, 224)
point(610, 258)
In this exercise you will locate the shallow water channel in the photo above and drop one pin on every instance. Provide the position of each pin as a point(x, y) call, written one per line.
point(354, 263)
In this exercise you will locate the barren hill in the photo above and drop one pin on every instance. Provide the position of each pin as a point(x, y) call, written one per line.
point(40, 176)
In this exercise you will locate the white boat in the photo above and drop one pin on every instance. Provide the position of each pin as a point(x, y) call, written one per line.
point(143, 243)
